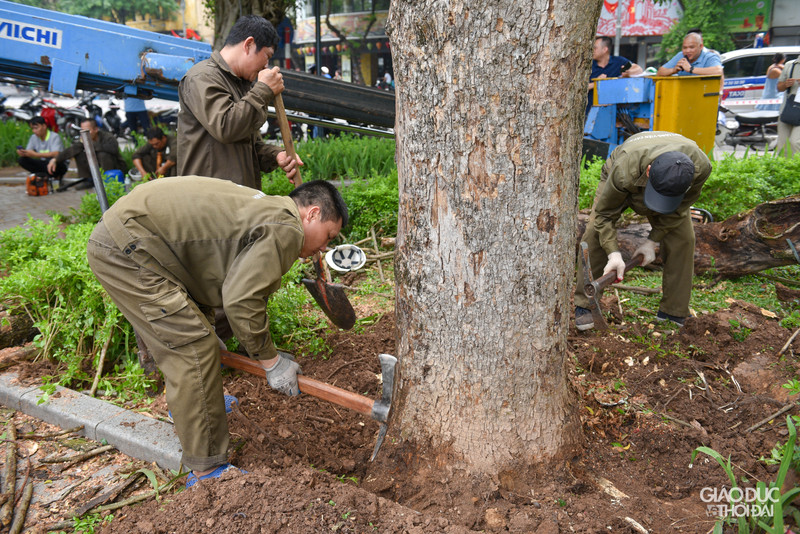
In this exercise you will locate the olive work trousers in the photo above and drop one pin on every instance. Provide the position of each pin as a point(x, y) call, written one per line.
point(677, 253)
point(181, 340)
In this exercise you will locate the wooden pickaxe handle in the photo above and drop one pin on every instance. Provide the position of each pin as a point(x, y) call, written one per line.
point(609, 278)
point(315, 388)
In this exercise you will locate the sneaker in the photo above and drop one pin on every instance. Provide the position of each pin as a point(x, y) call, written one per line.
point(583, 319)
point(191, 480)
point(230, 400)
point(661, 317)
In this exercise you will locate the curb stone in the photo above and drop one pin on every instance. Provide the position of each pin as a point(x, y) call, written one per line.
point(131, 433)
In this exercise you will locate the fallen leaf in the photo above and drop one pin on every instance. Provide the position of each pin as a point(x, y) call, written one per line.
point(767, 313)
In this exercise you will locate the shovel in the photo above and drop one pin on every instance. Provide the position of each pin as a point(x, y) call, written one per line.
point(330, 297)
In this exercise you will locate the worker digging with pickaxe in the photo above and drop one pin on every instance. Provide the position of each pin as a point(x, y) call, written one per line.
point(171, 251)
point(658, 175)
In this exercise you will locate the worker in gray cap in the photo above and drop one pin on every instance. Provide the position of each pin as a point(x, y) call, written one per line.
point(658, 175)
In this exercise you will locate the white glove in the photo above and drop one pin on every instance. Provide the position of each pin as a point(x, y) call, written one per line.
point(283, 376)
point(648, 251)
point(615, 263)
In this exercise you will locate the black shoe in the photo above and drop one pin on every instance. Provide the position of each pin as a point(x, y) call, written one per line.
point(661, 317)
point(583, 319)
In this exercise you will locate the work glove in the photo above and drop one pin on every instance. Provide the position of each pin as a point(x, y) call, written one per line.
point(648, 252)
point(615, 263)
point(283, 375)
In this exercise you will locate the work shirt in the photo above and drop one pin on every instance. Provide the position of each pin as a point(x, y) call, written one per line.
point(150, 156)
point(51, 143)
point(218, 125)
point(707, 58)
point(106, 148)
point(227, 245)
point(624, 176)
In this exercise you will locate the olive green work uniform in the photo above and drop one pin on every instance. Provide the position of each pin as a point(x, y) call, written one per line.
point(622, 183)
point(106, 148)
point(171, 250)
point(150, 156)
point(219, 122)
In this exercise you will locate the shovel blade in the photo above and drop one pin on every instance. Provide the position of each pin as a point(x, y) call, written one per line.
point(333, 301)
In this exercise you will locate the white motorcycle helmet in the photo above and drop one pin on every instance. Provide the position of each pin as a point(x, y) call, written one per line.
point(345, 258)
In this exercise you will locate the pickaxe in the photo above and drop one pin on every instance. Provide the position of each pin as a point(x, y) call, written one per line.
point(378, 410)
point(593, 288)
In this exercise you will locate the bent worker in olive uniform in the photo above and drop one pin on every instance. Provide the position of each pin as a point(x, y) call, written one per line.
point(171, 250)
point(658, 175)
point(159, 156)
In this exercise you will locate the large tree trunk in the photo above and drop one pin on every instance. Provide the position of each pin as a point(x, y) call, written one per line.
point(743, 244)
point(490, 99)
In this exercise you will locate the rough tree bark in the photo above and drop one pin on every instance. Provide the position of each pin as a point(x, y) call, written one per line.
point(490, 98)
point(743, 244)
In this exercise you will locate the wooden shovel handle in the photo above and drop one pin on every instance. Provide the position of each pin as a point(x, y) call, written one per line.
point(309, 386)
point(286, 135)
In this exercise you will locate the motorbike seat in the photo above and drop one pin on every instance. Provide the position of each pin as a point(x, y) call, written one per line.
point(757, 117)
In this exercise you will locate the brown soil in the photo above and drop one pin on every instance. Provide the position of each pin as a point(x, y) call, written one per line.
point(645, 408)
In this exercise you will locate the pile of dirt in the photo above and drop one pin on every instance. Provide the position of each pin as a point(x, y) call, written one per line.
point(647, 401)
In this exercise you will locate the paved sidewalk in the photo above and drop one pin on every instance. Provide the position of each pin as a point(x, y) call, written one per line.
point(16, 205)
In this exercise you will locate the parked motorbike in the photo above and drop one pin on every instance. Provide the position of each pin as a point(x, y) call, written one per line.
point(86, 108)
point(758, 129)
point(35, 105)
point(112, 118)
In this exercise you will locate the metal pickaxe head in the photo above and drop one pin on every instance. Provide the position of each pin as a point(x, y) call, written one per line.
point(381, 409)
point(590, 289)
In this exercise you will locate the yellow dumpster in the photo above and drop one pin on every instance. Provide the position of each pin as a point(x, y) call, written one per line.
point(687, 105)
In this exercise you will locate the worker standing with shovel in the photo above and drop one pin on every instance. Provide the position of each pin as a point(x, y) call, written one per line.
point(172, 250)
point(658, 175)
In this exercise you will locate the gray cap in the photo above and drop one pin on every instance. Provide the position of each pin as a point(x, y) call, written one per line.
point(671, 176)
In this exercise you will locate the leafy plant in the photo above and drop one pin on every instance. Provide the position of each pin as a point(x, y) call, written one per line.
point(771, 510)
point(738, 332)
point(739, 184)
point(372, 203)
point(590, 177)
point(49, 279)
point(346, 157)
point(89, 523)
point(12, 134)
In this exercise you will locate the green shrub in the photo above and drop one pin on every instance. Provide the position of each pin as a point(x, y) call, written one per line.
point(50, 280)
point(590, 177)
point(372, 202)
point(739, 184)
point(12, 133)
point(346, 157)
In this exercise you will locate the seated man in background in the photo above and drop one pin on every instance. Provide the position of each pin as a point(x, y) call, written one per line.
point(42, 146)
point(604, 65)
point(105, 147)
point(159, 156)
point(693, 59)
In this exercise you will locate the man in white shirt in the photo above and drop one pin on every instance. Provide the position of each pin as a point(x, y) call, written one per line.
point(42, 146)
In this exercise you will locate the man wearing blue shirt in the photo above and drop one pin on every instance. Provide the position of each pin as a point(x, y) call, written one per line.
point(694, 59)
point(604, 65)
